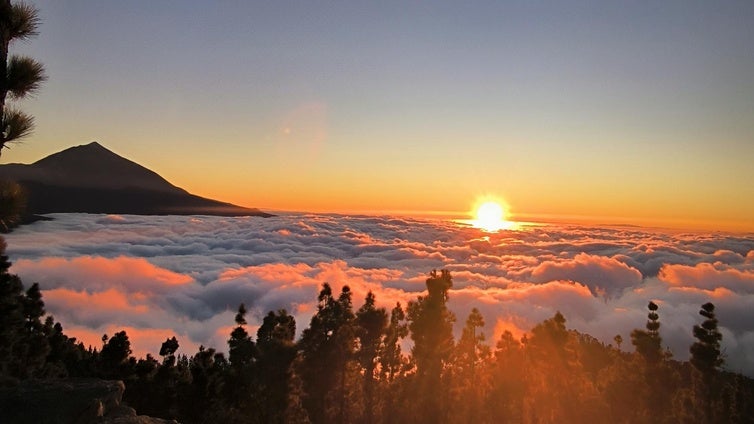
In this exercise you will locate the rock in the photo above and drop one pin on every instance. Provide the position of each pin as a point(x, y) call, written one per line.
point(59, 401)
point(121, 411)
point(141, 419)
point(69, 401)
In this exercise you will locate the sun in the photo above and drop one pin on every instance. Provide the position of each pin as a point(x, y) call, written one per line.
point(490, 216)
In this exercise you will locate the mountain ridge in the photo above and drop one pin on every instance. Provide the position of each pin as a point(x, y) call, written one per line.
point(92, 165)
point(90, 178)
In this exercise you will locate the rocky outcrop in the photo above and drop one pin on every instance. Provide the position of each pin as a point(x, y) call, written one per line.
point(70, 401)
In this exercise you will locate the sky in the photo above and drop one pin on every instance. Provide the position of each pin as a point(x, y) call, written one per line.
point(601, 111)
point(159, 277)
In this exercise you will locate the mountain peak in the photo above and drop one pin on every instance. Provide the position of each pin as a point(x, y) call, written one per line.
point(73, 156)
point(93, 166)
point(91, 178)
point(93, 145)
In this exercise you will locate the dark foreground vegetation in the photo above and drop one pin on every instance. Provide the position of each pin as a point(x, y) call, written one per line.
point(348, 367)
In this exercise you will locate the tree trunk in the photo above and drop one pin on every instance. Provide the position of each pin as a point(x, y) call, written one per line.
point(368, 393)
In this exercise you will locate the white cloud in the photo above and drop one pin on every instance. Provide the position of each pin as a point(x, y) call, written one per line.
point(186, 275)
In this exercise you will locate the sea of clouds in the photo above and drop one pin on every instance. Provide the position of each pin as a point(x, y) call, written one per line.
point(161, 276)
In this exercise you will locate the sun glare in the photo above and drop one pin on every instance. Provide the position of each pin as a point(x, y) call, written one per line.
point(490, 216)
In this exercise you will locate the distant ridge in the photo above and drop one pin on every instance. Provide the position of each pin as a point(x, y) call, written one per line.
point(92, 179)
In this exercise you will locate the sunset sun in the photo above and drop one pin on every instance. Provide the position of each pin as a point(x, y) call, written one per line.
point(490, 216)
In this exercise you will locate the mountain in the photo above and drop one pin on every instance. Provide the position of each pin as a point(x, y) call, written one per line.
point(92, 179)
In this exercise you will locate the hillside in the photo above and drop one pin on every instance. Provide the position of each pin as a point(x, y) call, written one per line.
point(92, 179)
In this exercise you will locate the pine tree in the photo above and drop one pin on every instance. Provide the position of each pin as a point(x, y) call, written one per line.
point(241, 349)
point(327, 347)
point(657, 374)
point(241, 379)
point(391, 358)
point(159, 393)
point(21, 345)
point(202, 401)
point(114, 356)
point(393, 366)
point(167, 351)
point(618, 340)
point(36, 340)
point(469, 358)
point(648, 343)
point(277, 351)
point(12, 205)
point(22, 75)
point(23, 342)
point(371, 323)
point(705, 352)
point(550, 336)
point(12, 322)
point(66, 358)
point(552, 371)
point(431, 326)
point(707, 358)
point(508, 376)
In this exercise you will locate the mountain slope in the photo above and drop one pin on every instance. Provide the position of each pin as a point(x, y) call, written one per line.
point(92, 179)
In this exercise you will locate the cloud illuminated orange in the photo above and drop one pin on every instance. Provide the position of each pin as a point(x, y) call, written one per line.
point(197, 270)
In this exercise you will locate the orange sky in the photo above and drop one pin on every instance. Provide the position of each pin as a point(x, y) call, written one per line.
point(561, 110)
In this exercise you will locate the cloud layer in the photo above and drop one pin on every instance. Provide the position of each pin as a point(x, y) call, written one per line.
point(185, 276)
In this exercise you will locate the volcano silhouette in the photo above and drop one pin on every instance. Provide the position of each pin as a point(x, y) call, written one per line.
point(92, 179)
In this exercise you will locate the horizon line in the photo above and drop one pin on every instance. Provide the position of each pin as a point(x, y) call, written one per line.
point(664, 224)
